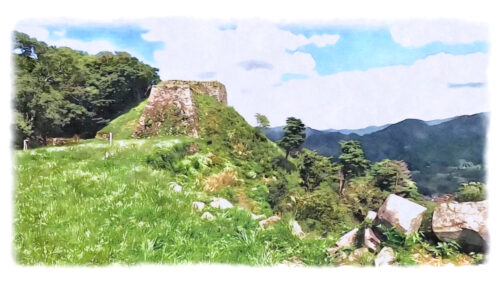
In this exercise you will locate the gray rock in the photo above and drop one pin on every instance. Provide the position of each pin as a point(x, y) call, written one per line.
point(464, 223)
point(385, 257)
point(405, 215)
point(221, 203)
point(370, 240)
point(297, 230)
point(371, 216)
point(207, 216)
point(347, 240)
point(198, 206)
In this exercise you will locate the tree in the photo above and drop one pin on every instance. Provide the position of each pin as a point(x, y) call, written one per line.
point(352, 159)
point(394, 176)
point(295, 135)
point(262, 120)
point(61, 92)
point(314, 169)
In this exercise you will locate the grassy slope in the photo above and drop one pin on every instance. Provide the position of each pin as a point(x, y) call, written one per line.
point(74, 206)
point(123, 127)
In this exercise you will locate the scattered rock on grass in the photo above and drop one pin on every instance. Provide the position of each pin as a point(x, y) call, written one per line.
point(257, 217)
point(198, 206)
point(269, 222)
point(221, 203)
point(347, 240)
point(207, 216)
point(371, 216)
point(297, 230)
point(385, 257)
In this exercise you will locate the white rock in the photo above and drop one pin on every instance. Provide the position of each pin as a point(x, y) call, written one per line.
point(405, 215)
point(269, 222)
point(177, 188)
point(385, 257)
point(464, 223)
point(348, 239)
point(207, 216)
point(293, 199)
point(371, 216)
point(198, 206)
point(221, 203)
point(257, 217)
point(370, 240)
point(297, 230)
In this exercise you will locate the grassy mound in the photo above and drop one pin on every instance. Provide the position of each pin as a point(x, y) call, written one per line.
point(124, 126)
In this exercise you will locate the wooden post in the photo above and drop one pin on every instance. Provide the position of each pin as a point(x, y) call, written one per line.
point(110, 138)
point(25, 144)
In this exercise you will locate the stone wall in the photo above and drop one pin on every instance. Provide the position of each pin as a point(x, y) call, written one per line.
point(171, 107)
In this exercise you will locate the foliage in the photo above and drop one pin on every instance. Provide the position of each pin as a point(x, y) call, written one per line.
point(352, 159)
point(361, 197)
point(168, 158)
point(322, 209)
point(471, 192)
point(314, 169)
point(124, 125)
point(262, 120)
point(394, 176)
point(294, 135)
point(61, 92)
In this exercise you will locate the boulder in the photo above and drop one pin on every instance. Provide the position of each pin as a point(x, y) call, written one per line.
point(385, 257)
point(297, 230)
point(269, 222)
point(221, 203)
point(347, 240)
point(405, 215)
point(198, 206)
point(257, 217)
point(464, 223)
point(370, 241)
point(207, 216)
point(371, 216)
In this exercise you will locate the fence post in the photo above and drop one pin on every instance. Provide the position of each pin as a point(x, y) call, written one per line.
point(110, 138)
point(25, 144)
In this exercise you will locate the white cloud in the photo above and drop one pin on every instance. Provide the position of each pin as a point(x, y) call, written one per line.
point(418, 33)
point(323, 40)
point(357, 99)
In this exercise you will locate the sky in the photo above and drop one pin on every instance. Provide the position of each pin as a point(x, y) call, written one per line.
point(341, 75)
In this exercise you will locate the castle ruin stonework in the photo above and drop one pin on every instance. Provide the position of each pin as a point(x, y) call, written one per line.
point(171, 107)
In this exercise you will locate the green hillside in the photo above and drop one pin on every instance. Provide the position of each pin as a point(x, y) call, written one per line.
point(123, 127)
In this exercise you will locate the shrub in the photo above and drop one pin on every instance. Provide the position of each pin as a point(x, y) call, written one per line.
point(167, 158)
point(324, 209)
point(471, 192)
point(227, 177)
point(314, 169)
point(361, 196)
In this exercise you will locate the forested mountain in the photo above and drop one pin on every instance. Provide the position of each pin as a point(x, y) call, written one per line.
point(61, 92)
point(440, 156)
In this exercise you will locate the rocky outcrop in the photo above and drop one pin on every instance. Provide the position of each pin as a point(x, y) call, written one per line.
point(171, 108)
point(221, 203)
point(371, 216)
point(405, 215)
point(269, 222)
point(386, 256)
point(464, 223)
point(347, 240)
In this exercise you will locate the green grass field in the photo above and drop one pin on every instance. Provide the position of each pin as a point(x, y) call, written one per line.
point(74, 206)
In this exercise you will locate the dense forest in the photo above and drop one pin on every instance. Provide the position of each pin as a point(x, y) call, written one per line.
point(61, 92)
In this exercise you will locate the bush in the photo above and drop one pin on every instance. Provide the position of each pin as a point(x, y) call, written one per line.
point(471, 192)
point(314, 169)
point(323, 208)
point(361, 196)
point(167, 158)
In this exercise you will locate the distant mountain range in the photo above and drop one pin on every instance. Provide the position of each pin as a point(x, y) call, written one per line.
point(440, 153)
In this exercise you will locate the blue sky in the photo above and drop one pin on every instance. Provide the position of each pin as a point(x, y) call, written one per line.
point(324, 74)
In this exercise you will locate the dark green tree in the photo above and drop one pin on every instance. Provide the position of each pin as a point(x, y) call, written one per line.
point(394, 176)
point(295, 135)
point(262, 120)
point(61, 92)
point(352, 159)
point(314, 169)
point(471, 192)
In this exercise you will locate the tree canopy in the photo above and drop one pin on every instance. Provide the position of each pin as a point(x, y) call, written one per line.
point(295, 135)
point(262, 120)
point(353, 159)
point(61, 92)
